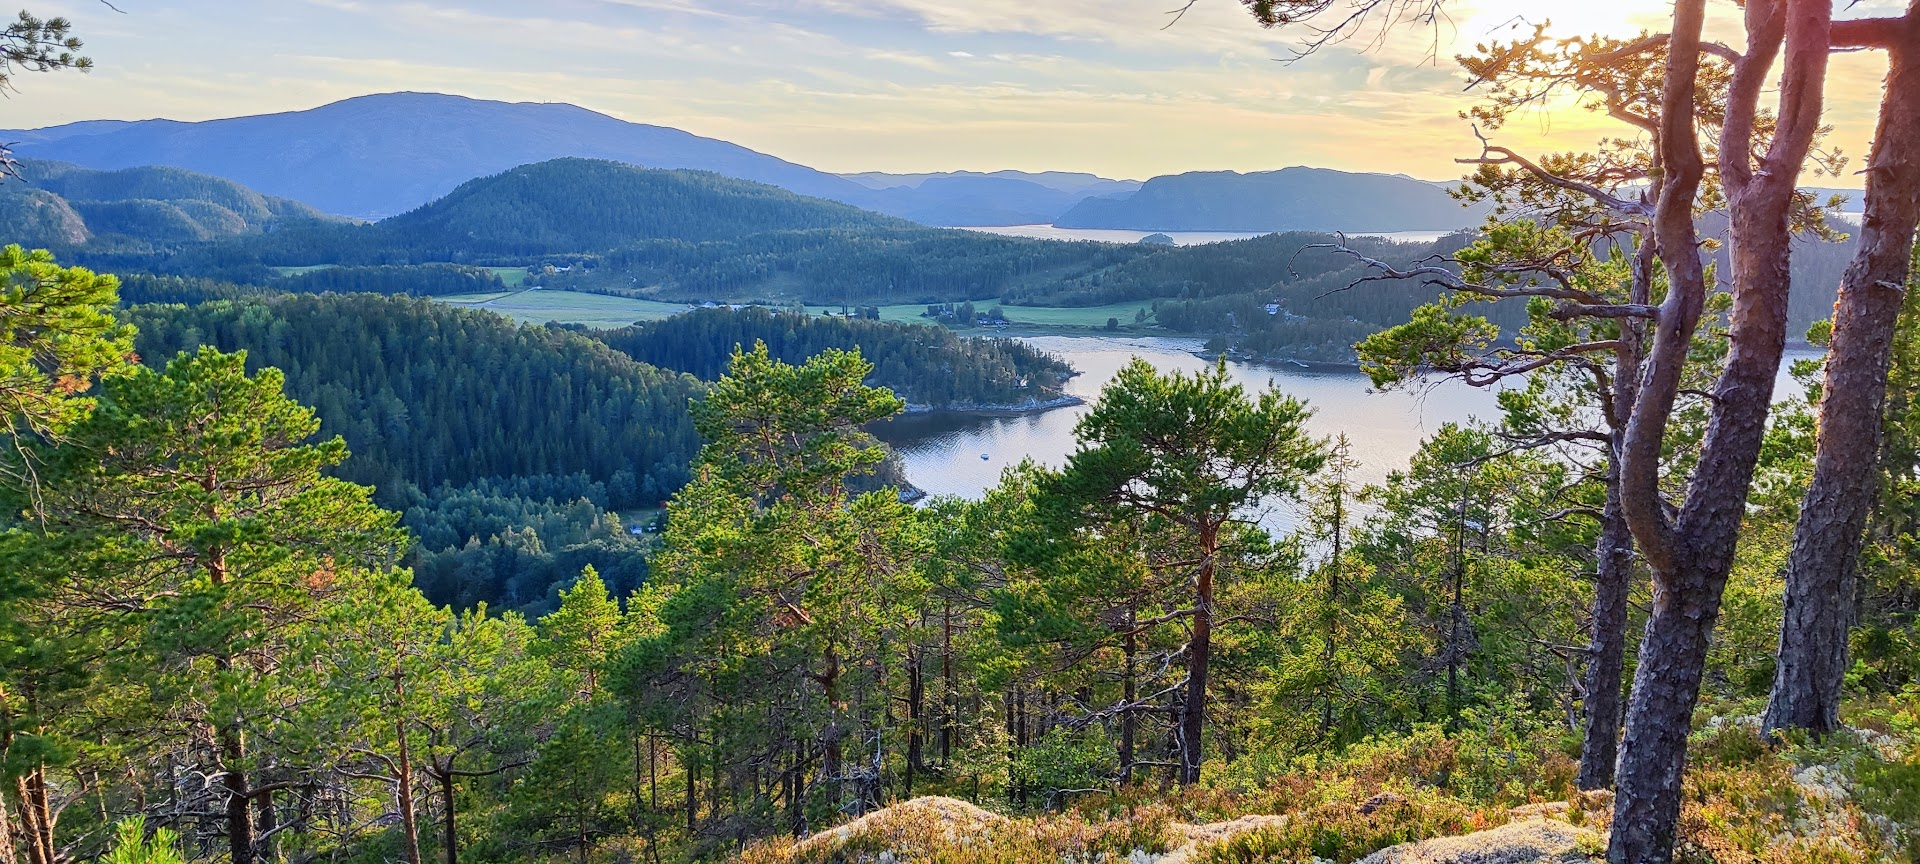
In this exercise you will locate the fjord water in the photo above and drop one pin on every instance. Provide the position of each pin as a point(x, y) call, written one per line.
point(943, 451)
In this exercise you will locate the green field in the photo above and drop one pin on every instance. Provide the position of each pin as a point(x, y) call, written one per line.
point(513, 276)
point(537, 306)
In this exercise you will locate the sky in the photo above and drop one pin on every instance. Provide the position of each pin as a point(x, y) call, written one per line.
point(1115, 87)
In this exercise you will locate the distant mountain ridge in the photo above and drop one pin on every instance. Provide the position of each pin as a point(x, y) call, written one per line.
point(1064, 181)
point(375, 156)
point(1290, 199)
point(973, 198)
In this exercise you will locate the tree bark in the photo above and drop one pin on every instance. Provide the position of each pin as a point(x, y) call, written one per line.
point(1130, 693)
point(916, 700)
point(1692, 554)
point(450, 838)
point(1332, 615)
point(1606, 653)
point(233, 752)
point(1827, 538)
point(403, 792)
point(949, 696)
point(1193, 711)
point(38, 851)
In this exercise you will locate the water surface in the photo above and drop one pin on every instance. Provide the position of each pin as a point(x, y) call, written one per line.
point(948, 453)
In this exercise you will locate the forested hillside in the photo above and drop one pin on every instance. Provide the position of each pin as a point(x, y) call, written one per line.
point(926, 365)
point(507, 447)
point(427, 395)
point(68, 206)
point(1291, 199)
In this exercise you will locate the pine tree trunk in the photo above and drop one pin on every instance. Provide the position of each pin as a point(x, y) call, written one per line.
point(1666, 687)
point(450, 838)
point(1129, 694)
point(693, 800)
point(37, 851)
point(1691, 552)
point(267, 824)
point(1332, 615)
point(239, 804)
point(1828, 536)
point(949, 697)
point(1606, 657)
point(916, 699)
point(403, 794)
point(1193, 712)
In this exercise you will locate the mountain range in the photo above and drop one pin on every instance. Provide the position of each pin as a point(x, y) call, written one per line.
point(375, 156)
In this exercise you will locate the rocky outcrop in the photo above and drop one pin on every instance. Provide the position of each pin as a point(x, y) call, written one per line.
point(1533, 841)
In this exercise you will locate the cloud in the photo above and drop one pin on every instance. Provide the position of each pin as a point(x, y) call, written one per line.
point(873, 84)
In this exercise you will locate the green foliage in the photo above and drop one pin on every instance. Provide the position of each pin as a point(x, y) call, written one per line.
point(924, 365)
point(30, 44)
point(403, 380)
point(1436, 339)
point(421, 280)
point(1064, 762)
point(775, 429)
point(57, 335)
point(131, 845)
point(1189, 448)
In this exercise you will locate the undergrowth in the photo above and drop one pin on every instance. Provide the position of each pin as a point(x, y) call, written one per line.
point(1853, 798)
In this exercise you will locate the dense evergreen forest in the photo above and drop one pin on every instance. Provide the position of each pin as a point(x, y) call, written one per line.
point(428, 396)
point(926, 365)
point(513, 450)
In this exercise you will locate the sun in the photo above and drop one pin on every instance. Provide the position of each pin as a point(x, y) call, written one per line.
point(1496, 19)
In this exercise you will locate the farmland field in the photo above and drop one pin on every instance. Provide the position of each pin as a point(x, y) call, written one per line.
point(513, 276)
point(537, 306)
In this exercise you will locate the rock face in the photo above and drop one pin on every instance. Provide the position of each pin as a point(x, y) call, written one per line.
point(1534, 841)
point(950, 817)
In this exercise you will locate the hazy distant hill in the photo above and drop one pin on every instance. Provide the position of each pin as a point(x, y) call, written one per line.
point(1291, 199)
point(1064, 181)
point(975, 198)
point(955, 200)
point(65, 205)
point(375, 156)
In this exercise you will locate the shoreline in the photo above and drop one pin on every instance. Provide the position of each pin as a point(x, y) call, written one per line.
point(1031, 407)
